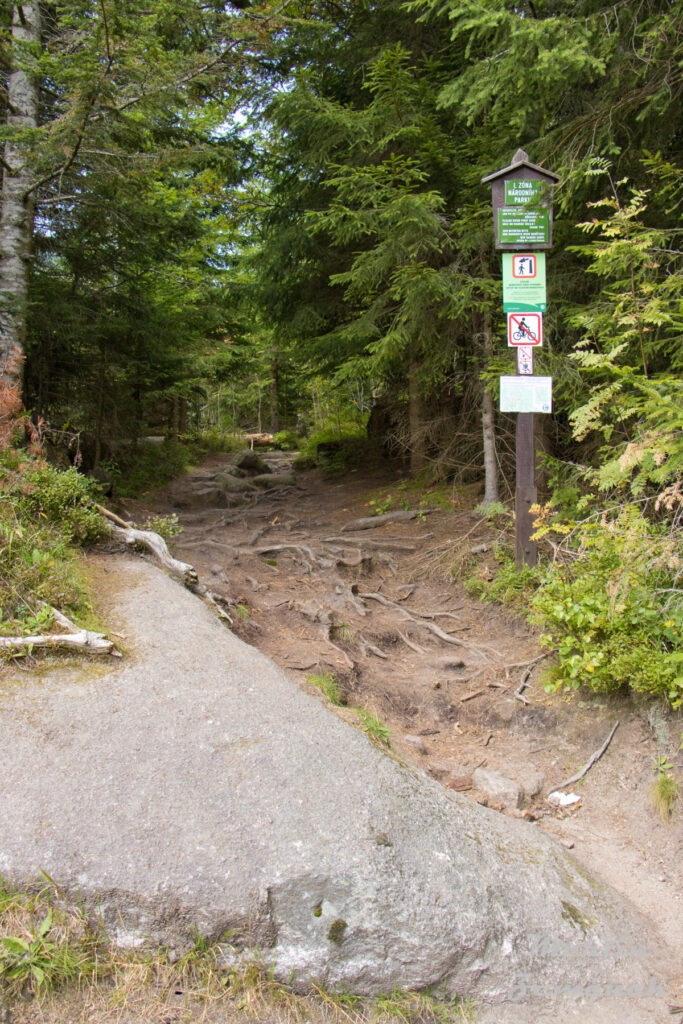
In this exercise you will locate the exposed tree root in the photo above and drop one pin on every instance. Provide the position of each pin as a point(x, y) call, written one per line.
point(431, 626)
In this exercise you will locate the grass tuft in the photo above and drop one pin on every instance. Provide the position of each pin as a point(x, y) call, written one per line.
point(374, 727)
point(664, 790)
point(329, 687)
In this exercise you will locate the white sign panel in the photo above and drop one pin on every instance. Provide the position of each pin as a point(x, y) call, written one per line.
point(526, 394)
point(525, 329)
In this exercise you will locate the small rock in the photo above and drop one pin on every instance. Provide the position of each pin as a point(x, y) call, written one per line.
point(274, 480)
point(567, 843)
point(251, 460)
point(450, 662)
point(417, 742)
point(531, 780)
point(498, 787)
point(503, 712)
point(460, 783)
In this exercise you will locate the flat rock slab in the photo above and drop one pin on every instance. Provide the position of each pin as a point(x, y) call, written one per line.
point(194, 787)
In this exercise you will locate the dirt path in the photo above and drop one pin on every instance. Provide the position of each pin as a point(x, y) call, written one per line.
point(439, 668)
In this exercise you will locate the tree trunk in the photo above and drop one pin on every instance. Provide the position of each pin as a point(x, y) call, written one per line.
point(16, 205)
point(275, 398)
point(488, 424)
point(418, 446)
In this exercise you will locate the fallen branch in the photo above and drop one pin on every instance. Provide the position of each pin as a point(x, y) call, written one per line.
point(372, 544)
point(93, 643)
point(372, 522)
point(471, 696)
point(76, 638)
point(589, 763)
point(157, 546)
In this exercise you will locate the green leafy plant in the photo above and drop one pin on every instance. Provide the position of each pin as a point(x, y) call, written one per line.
point(167, 527)
point(374, 727)
point(45, 955)
point(380, 506)
point(612, 610)
point(40, 515)
point(286, 440)
point(328, 686)
point(511, 584)
point(64, 498)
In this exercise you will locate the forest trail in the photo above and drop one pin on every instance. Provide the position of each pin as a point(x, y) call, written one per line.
point(375, 609)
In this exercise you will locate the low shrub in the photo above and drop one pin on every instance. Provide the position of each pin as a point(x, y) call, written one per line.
point(613, 611)
point(609, 604)
point(44, 512)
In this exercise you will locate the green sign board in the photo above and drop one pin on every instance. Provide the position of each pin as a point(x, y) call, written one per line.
point(519, 193)
point(524, 282)
point(518, 226)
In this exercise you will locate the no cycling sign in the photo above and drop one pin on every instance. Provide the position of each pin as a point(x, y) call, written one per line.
point(525, 329)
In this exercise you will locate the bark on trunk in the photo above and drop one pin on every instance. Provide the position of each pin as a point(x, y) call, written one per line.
point(488, 424)
point(275, 398)
point(17, 205)
point(418, 446)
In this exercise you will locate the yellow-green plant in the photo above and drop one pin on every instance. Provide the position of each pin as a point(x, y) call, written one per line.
point(374, 727)
point(328, 686)
point(665, 789)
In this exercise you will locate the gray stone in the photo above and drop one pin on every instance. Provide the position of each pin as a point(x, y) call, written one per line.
point(229, 482)
point(275, 480)
point(498, 788)
point(503, 712)
point(417, 742)
point(194, 785)
point(531, 780)
point(197, 495)
point(251, 460)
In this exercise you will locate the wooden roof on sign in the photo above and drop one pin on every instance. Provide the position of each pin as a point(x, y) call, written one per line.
point(520, 159)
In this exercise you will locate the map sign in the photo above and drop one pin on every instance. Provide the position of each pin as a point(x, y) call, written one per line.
point(524, 282)
point(519, 226)
point(526, 394)
point(525, 328)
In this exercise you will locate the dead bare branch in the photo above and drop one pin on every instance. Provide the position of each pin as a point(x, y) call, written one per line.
point(589, 763)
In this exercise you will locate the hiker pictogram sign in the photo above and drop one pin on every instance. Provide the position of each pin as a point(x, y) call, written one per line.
point(524, 266)
point(525, 329)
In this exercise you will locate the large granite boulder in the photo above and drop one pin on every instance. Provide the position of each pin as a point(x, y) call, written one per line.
point(194, 786)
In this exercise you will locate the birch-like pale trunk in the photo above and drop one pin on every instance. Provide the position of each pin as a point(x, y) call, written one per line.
point(16, 201)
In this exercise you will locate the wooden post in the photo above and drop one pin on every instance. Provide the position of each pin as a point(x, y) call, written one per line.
point(521, 195)
point(525, 495)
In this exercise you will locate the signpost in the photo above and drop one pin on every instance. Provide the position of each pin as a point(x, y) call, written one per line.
point(521, 195)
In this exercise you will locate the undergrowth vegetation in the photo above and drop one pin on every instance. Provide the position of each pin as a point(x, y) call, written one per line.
point(608, 601)
point(46, 514)
point(58, 962)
